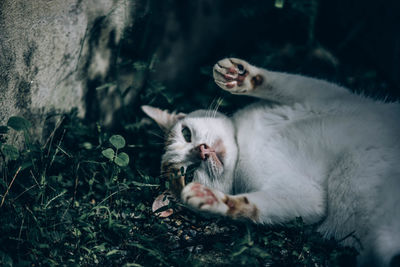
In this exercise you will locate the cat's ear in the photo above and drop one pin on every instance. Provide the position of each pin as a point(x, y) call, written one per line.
point(163, 118)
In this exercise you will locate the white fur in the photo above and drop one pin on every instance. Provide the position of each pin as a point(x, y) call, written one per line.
point(319, 152)
point(200, 203)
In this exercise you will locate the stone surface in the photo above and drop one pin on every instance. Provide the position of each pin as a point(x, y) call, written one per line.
point(53, 53)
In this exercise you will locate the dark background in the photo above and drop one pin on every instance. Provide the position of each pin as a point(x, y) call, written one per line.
point(355, 43)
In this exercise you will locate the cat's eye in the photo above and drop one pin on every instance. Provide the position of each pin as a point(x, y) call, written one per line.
point(241, 69)
point(186, 134)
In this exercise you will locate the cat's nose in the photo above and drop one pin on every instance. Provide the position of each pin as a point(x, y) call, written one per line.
point(205, 151)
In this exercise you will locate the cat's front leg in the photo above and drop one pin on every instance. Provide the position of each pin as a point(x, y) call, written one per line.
point(205, 199)
point(237, 76)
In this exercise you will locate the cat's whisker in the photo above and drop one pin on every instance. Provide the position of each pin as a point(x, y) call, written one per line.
point(210, 108)
point(218, 104)
point(156, 134)
point(213, 108)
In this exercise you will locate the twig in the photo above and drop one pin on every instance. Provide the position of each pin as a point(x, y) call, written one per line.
point(8, 189)
point(26, 190)
point(57, 196)
point(51, 137)
point(76, 182)
point(109, 196)
point(20, 232)
point(34, 178)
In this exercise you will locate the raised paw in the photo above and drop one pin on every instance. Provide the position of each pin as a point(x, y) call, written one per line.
point(202, 198)
point(236, 76)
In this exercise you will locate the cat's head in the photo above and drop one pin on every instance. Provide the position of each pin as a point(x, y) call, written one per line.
point(202, 142)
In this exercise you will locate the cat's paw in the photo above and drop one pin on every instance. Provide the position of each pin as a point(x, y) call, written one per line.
point(202, 198)
point(236, 76)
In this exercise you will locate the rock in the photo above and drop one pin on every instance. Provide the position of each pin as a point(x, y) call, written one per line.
point(53, 55)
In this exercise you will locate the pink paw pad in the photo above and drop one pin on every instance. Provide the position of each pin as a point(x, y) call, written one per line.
point(202, 191)
point(232, 70)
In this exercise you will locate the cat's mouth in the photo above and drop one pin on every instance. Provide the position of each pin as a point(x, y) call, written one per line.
point(211, 155)
point(214, 164)
point(215, 158)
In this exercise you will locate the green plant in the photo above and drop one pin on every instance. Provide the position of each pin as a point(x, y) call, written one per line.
point(121, 159)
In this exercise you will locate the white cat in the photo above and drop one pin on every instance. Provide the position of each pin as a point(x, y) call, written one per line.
point(317, 151)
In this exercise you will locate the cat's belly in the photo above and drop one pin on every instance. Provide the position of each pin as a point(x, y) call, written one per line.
point(256, 134)
point(307, 145)
point(269, 142)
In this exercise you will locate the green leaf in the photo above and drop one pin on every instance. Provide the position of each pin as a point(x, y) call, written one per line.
point(140, 65)
point(144, 184)
point(18, 123)
point(112, 252)
point(108, 153)
point(117, 141)
point(140, 207)
point(122, 159)
point(132, 265)
point(3, 129)
point(11, 152)
point(167, 185)
point(100, 247)
point(240, 251)
point(87, 145)
point(279, 3)
point(26, 164)
point(5, 259)
point(104, 86)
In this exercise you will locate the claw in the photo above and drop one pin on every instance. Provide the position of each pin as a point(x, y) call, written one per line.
point(229, 77)
point(220, 84)
point(225, 63)
point(231, 84)
point(233, 75)
point(219, 69)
